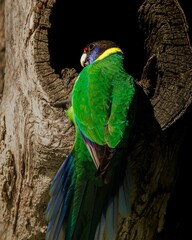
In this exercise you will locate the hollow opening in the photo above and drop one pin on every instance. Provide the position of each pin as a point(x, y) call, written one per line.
point(73, 26)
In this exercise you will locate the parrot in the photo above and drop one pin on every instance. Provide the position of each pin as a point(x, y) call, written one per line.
point(93, 184)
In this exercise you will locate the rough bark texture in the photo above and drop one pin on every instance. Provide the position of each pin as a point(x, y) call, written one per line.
point(168, 67)
point(36, 136)
point(2, 48)
point(33, 142)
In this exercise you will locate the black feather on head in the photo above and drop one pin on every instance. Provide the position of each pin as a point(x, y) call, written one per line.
point(95, 49)
point(101, 45)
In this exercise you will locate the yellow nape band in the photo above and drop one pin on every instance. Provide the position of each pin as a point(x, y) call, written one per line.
point(108, 52)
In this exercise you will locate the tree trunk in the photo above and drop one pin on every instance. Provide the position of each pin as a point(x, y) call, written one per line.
point(2, 48)
point(36, 136)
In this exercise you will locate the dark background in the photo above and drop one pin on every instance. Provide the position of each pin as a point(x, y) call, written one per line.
point(74, 25)
point(80, 24)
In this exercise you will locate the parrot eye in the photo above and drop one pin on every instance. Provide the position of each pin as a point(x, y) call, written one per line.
point(91, 46)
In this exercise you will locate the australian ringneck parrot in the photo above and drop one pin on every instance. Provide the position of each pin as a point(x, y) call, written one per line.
point(92, 186)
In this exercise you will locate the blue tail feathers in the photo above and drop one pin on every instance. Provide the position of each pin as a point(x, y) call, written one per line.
point(61, 191)
point(120, 203)
point(76, 203)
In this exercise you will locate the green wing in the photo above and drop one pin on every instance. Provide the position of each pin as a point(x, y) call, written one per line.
point(105, 92)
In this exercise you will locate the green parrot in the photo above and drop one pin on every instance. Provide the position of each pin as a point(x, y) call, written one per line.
point(92, 186)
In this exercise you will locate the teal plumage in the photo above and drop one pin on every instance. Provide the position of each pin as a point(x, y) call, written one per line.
point(93, 184)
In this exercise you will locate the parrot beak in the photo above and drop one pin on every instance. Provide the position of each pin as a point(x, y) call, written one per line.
point(83, 60)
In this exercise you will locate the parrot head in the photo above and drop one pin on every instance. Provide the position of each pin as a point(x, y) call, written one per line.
point(93, 50)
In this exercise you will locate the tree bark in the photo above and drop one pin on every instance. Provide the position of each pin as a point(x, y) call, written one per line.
point(36, 136)
point(2, 48)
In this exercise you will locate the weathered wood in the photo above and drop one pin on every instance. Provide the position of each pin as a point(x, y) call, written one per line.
point(2, 48)
point(160, 129)
point(33, 136)
point(169, 59)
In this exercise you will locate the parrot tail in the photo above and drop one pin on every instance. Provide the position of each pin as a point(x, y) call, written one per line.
point(120, 203)
point(80, 209)
point(61, 191)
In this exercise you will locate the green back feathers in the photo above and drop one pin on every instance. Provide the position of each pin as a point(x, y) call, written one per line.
point(101, 96)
